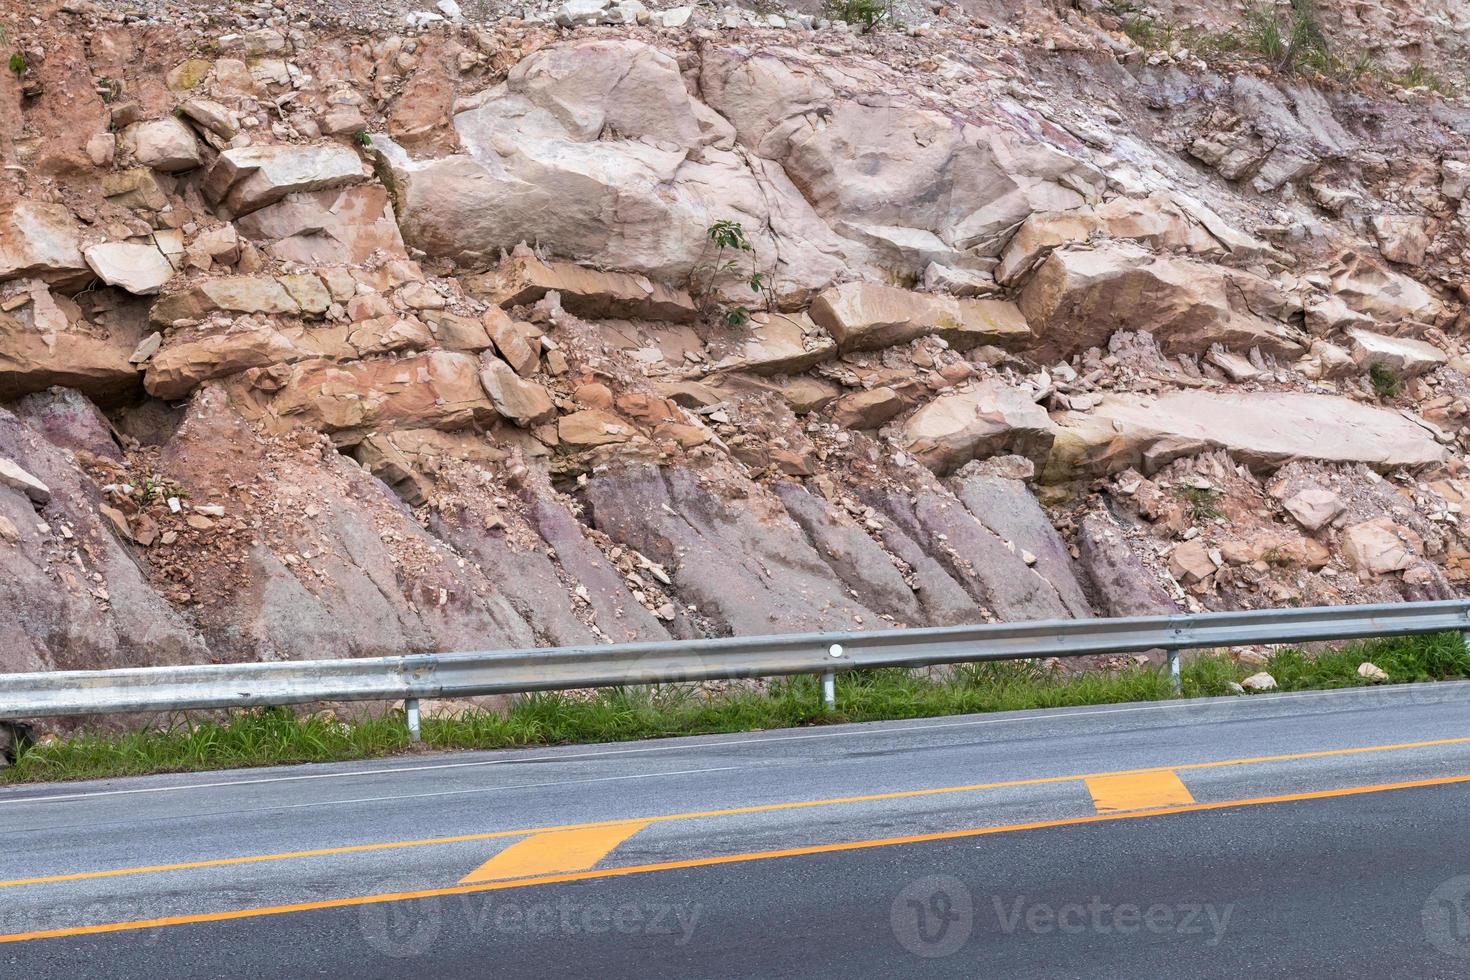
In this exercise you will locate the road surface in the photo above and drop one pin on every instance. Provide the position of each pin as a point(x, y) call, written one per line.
point(1320, 834)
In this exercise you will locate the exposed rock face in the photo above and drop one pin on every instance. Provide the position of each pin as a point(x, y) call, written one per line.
point(537, 170)
point(1119, 582)
point(59, 617)
point(377, 583)
point(732, 329)
point(1262, 430)
point(871, 166)
point(743, 575)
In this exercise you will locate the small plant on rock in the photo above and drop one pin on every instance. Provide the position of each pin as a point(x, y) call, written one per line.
point(1201, 502)
point(1385, 381)
point(361, 138)
point(728, 237)
point(18, 63)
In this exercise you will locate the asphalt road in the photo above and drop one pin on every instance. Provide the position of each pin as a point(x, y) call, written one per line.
point(1294, 835)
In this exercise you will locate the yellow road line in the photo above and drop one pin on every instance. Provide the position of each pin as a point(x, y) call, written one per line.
point(702, 814)
point(336, 903)
point(554, 853)
point(1138, 791)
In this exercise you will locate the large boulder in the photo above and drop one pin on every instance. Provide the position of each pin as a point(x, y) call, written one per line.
point(1264, 430)
point(248, 178)
point(41, 241)
point(596, 151)
point(1079, 296)
point(975, 421)
point(869, 316)
point(165, 144)
point(230, 294)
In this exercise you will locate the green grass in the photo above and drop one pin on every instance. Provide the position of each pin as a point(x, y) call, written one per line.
point(280, 737)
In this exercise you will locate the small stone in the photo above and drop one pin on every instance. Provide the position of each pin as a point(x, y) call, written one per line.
point(1372, 672)
point(16, 478)
point(1259, 682)
point(199, 522)
point(210, 510)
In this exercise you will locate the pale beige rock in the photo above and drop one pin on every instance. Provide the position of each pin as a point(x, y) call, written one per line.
point(1155, 220)
point(341, 225)
point(984, 419)
point(436, 390)
point(233, 294)
point(14, 476)
point(138, 268)
point(1313, 507)
point(55, 346)
point(867, 409)
point(41, 240)
point(870, 316)
point(165, 144)
point(523, 402)
point(1263, 430)
point(249, 178)
point(513, 348)
point(597, 151)
point(1402, 355)
point(1372, 672)
point(1259, 682)
point(1190, 562)
point(1078, 297)
point(1379, 547)
point(213, 116)
point(1370, 289)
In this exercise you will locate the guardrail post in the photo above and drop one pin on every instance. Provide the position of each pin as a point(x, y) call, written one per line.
point(829, 680)
point(411, 715)
point(1174, 680)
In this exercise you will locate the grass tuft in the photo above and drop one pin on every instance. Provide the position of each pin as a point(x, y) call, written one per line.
point(279, 736)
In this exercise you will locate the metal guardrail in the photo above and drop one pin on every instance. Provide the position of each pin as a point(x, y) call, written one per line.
point(452, 675)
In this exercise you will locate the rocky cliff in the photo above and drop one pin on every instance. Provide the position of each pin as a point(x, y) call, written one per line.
point(330, 329)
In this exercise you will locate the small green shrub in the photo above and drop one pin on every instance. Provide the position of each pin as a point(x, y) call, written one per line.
point(1385, 381)
point(1420, 77)
point(18, 63)
point(362, 138)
